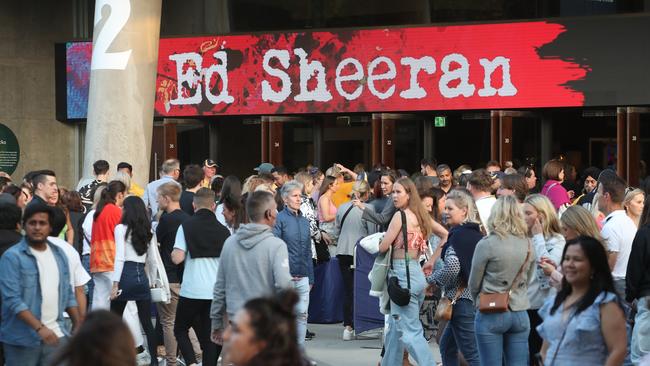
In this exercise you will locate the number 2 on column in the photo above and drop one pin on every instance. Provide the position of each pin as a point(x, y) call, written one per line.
point(120, 10)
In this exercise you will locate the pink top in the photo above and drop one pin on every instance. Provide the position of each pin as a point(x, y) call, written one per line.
point(415, 239)
point(332, 210)
point(556, 193)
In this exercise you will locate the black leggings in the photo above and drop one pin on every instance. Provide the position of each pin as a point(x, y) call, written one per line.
point(345, 263)
point(195, 313)
point(144, 314)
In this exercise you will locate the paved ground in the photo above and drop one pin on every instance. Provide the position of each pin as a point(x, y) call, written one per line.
point(329, 349)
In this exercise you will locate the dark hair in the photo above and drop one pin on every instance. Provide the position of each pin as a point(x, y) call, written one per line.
point(71, 200)
point(136, 220)
point(601, 277)
point(273, 322)
point(4, 182)
point(109, 195)
point(35, 208)
point(616, 189)
point(231, 188)
point(100, 167)
point(257, 204)
point(552, 169)
point(102, 340)
point(13, 190)
point(391, 174)
point(40, 176)
point(436, 194)
point(645, 215)
point(217, 186)
point(517, 183)
point(492, 163)
point(482, 180)
point(235, 205)
point(9, 216)
point(592, 171)
point(125, 165)
point(423, 183)
point(280, 170)
point(442, 167)
point(430, 162)
point(327, 182)
point(526, 171)
point(192, 175)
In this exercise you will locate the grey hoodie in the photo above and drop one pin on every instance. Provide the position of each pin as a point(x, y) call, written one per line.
point(253, 263)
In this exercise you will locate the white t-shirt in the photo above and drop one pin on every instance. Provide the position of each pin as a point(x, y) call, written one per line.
point(87, 227)
point(619, 231)
point(199, 275)
point(78, 275)
point(48, 277)
point(484, 206)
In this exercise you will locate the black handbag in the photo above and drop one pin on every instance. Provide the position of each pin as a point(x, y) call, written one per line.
point(399, 295)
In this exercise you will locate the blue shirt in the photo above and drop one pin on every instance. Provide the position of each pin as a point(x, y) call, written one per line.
point(150, 197)
point(293, 229)
point(583, 343)
point(21, 290)
point(199, 274)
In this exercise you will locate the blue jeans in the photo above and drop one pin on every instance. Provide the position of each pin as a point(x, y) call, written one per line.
point(404, 326)
point(459, 334)
point(31, 356)
point(502, 337)
point(85, 261)
point(302, 288)
point(641, 332)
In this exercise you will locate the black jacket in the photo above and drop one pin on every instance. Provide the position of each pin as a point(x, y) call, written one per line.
point(637, 279)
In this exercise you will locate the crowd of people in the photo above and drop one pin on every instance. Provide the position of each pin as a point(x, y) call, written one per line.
point(519, 267)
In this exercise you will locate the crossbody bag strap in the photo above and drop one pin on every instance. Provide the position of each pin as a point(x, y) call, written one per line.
point(406, 246)
point(521, 268)
point(345, 215)
point(562, 338)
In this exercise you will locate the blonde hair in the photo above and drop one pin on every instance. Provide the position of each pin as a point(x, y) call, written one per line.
point(506, 218)
point(464, 200)
point(551, 223)
point(416, 206)
point(124, 178)
point(629, 196)
point(303, 178)
point(580, 220)
point(360, 187)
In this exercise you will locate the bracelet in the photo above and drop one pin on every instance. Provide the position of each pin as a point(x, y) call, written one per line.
point(39, 328)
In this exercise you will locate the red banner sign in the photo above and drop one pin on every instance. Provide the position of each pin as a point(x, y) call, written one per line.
point(490, 66)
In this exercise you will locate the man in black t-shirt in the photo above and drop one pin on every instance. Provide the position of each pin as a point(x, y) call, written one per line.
point(192, 177)
point(87, 192)
point(46, 192)
point(168, 200)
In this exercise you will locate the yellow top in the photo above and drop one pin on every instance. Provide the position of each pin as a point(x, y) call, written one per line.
point(136, 190)
point(342, 195)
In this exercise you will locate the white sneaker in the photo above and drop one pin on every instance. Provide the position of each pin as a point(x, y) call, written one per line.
point(143, 358)
point(348, 334)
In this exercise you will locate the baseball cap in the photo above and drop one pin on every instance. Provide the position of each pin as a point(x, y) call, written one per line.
point(264, 168)
point(210, 163)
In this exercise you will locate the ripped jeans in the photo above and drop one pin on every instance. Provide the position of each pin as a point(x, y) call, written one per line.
point(404, 326)
point(302, 288)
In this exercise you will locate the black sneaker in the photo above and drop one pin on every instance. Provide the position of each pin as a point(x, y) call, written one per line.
point(310, 335)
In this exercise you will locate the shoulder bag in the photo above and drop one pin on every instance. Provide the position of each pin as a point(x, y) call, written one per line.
point(400, 296)
point(445, 307)
point(498, 302)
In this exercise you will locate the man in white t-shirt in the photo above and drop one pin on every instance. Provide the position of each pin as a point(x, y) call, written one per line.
point(618, 230)
point(480, 186)
point(35, 288)
point(78, 275)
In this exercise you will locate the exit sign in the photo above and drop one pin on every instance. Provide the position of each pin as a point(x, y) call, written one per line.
point(440, 121)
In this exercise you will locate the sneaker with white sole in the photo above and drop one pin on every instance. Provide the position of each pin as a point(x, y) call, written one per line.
point(143, 358)
point(348, 334)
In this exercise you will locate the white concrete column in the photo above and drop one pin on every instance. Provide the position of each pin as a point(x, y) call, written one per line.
point(122, 85)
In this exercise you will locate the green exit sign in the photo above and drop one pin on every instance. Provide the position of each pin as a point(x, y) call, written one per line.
point(440, 121)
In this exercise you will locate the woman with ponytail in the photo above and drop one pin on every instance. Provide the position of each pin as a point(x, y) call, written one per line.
point(102, 245)
point(263, 332)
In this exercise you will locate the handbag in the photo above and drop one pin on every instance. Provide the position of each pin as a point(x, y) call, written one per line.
point(445, 307)
point(158, 294)
point(399, 295)
point(498, 302)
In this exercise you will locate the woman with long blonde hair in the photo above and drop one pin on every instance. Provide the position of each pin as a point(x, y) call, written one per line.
point(465, 232)
point(405, 329)
point(548, 242)
point(504, 262)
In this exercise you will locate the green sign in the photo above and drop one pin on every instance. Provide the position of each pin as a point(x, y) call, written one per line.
point(440, 121)
point(9, 150)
